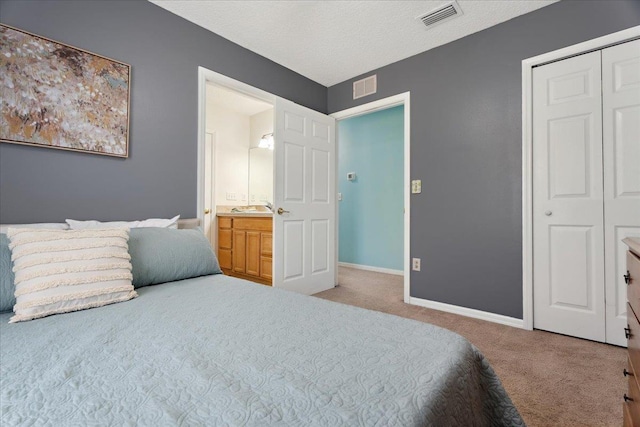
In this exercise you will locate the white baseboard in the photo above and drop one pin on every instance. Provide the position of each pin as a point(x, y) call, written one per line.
point(469, 312)
point(370, 268)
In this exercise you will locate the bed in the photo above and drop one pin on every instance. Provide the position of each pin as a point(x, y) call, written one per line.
point(216, 350)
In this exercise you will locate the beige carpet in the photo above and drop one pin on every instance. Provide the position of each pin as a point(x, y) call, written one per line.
point(554, 380)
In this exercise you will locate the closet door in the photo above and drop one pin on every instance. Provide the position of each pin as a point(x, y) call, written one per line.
point(621, 152)
point(568, 235)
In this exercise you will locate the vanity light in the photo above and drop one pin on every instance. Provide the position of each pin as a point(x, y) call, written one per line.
point(266, 141)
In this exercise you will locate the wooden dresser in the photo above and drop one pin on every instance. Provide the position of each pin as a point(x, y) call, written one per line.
point(631, 406)
point(245, 246)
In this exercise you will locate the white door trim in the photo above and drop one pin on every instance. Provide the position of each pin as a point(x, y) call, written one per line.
point(527, 150)
point(382, 104)
point(371, 268)
point(205, 75)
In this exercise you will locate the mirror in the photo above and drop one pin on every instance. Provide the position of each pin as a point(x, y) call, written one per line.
point(260, 176)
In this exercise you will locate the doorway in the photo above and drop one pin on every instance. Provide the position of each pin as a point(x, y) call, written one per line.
point(302, 221)
point(373, 188)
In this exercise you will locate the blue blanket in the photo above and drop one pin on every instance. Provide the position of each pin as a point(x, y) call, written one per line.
point(222, 351)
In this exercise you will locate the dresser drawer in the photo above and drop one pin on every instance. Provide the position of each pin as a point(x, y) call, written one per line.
point(633, 282)
point(632, 405)
point(224, 222)
point(224, 239)
point(626, 421)
point(257, 224)
point(224, 259)
point(633, 342)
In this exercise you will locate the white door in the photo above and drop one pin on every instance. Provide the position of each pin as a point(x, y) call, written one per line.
point(209, 225)
point(568, 235)
point(304, 193)
point(621, 149)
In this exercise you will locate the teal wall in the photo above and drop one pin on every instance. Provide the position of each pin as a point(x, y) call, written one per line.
point(371, 210)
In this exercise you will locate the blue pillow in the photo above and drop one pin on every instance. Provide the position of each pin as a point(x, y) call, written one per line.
point(7, 278)
point(160, 255)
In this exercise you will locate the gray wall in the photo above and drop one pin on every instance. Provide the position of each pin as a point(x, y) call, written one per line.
point(159, 177)
point(466, 147)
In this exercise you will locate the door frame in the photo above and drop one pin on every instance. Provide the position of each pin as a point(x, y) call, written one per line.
point(527, 149)
point(371, 107)
point(213, 133)
point(205, 75)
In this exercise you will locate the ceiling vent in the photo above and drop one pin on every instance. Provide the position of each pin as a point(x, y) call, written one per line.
point(441, 14)
point(366, 86)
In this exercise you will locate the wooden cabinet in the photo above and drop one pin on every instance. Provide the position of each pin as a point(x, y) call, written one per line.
point(632, 278)
point(225, 239)
point(245, 247)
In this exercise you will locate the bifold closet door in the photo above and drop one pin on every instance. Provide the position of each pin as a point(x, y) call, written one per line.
point(621, 150)
point(568, 234)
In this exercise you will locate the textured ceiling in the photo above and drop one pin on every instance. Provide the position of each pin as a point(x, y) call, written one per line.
point(332, 41)
point(235, 101)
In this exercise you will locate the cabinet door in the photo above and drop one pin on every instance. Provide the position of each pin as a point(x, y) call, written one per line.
point(253, 253)
point(266, 244)
point(266, 266)
point(266, 262)
point(239, 250)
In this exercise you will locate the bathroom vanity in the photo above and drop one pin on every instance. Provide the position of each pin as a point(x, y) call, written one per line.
point(245, 245)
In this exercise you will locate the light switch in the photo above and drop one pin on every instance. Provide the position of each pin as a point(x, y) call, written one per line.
point(351, 176)
point(231, 196)
point(339, 197)
point(416, 186)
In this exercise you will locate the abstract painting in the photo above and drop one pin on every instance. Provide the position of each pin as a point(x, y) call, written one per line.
point(59, 96)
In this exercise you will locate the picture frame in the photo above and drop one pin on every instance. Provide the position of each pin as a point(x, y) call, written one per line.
point(59, 96)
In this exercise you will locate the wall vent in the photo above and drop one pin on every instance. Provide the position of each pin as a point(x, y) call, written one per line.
point(441, 14)
point(366, 86)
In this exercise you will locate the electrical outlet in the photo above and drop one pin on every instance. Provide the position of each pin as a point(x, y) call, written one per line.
point(415, 264)
point(416, 186)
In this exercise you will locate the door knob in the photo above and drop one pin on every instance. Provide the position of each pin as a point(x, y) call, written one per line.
point(281, 211)
point(207, 211)
point(548, 213)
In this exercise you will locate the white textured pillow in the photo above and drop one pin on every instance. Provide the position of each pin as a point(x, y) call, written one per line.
point(58, 271)
point(151, 222)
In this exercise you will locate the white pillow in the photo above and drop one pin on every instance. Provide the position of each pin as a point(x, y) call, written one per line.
point(49, 225)
point(152, 222)
point(58, 271)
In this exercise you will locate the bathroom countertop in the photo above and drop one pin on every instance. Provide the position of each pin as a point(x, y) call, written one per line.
point(247, 214)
